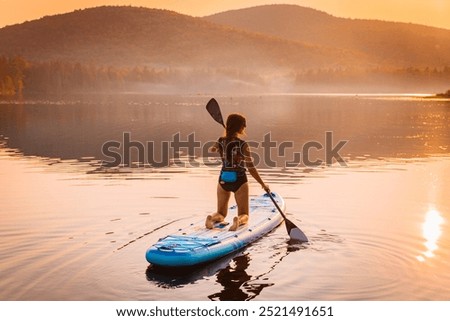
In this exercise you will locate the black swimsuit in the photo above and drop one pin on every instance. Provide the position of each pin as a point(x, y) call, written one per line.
point(233, 187)
point(233, 159)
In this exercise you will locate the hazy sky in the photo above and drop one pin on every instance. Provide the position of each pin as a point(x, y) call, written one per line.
point(428, 12)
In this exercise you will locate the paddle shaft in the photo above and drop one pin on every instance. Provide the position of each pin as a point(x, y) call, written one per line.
point(295, 233)
point(276, 204)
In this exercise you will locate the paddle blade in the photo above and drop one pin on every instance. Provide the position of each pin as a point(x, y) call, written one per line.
point(297, 235)
point(294, 232)
point(213, 109)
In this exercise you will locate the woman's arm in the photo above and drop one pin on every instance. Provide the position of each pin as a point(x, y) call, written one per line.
point(251, 166)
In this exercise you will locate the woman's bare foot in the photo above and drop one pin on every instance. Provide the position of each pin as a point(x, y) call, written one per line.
point(212, 219)
point(235, 224)
point(238, 221)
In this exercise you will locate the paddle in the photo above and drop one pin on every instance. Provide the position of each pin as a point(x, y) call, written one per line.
point(294, 232)
point(213, 109)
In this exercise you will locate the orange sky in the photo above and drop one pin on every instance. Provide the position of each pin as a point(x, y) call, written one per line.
point(428, 12)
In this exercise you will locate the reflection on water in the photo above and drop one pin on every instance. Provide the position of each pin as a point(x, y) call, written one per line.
point(234, 279)
point(431, 230)
point(374, 128)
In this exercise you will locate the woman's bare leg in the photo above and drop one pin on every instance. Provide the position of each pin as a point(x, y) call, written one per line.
point(242, 201)
point(222, 208)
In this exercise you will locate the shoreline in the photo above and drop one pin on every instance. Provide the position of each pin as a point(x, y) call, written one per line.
point(81, 98)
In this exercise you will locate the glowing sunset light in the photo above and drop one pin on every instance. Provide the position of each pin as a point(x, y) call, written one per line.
point(431, 230)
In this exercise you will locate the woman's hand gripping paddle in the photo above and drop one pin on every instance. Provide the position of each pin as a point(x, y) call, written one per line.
point(294, 232)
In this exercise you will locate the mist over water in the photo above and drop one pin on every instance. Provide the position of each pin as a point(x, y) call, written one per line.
point(74, 230)
point(374, 126)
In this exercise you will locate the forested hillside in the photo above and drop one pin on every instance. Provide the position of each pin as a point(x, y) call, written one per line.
point(263, 49)
point(388, 43)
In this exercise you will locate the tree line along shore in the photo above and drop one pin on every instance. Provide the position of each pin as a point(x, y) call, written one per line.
point(20, 77)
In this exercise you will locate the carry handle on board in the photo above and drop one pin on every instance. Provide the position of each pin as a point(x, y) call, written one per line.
point(294, 232)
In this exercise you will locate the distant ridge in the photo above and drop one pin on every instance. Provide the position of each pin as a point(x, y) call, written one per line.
point(394, 43)
point(266, 37)
point(131, 36)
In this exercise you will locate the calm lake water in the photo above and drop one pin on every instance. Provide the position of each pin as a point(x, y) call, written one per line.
point(72, 229)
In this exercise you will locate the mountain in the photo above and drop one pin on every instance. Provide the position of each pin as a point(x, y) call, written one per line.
point(267, 48)
point(130, 36)
point(387, 43)
point(265, 37)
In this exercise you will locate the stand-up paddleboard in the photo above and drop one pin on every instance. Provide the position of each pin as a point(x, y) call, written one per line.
point(195, 244)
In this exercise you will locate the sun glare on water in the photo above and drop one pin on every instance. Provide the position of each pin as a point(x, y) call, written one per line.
point(431, 230)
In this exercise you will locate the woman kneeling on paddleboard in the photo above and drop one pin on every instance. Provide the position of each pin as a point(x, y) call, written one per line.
point(236, 158)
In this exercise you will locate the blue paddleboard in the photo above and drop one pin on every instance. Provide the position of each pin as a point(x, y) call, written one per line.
point(195, 244)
